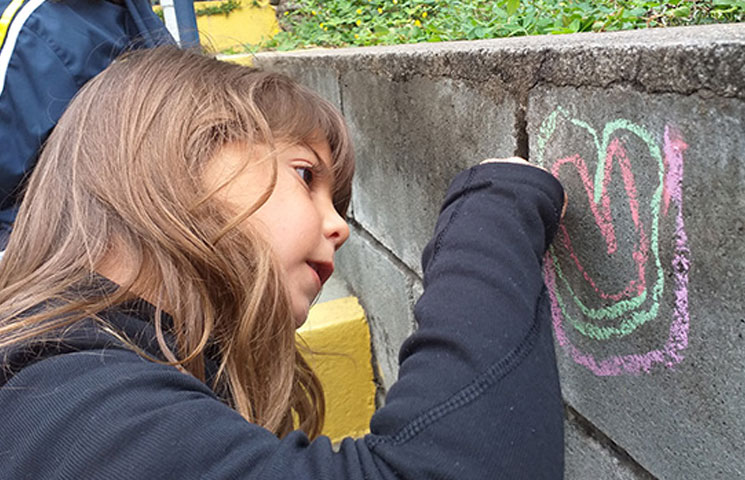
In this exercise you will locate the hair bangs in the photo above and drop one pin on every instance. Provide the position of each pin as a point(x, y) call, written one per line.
point(296, 114)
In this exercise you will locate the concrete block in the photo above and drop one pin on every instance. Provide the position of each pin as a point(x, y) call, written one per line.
point(411, 137)
point(385, 291)
point(646, 277)
point(320, 78)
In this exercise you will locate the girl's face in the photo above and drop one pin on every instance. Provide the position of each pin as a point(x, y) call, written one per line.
point(298, 219)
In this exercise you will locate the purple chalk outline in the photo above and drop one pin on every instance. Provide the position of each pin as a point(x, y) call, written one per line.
point(671, 353)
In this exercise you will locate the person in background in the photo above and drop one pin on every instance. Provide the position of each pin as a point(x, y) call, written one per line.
point(48, 50)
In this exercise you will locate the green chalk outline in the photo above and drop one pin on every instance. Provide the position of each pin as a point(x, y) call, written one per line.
point(604, 333)
point(617, 309)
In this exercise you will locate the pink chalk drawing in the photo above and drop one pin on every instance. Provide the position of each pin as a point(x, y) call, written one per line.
point(604, 220)
point(637, 303)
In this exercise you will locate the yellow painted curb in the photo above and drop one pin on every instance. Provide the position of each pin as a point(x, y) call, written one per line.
point(339, 339)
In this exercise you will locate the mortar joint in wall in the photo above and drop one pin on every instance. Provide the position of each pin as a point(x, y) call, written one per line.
point(522, 143)
point(615, 450)
point(385, 251)
point(341, 92)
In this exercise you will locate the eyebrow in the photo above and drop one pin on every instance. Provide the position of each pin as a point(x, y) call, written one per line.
point(320, 166)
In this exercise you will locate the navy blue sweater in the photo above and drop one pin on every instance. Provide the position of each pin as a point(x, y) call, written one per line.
point(477, 397)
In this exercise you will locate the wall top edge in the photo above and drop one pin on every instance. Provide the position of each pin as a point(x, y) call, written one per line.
point(696, 36)
point(705, 60)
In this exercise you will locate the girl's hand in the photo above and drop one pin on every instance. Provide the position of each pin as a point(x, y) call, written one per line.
point(522, 161)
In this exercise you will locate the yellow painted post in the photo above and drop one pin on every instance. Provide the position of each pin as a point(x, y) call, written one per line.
point(339, 339)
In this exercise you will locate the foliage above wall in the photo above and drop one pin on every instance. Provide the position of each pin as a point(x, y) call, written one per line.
point(335, 23)
point(215, 8)
point(223, 8)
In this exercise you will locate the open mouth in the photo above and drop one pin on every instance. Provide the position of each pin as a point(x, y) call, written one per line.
point(323, 269)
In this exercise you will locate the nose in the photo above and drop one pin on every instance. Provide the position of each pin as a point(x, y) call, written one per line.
point(335, 228)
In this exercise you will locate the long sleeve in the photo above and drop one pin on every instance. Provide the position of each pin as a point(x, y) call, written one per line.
point(479, 375)
point(477, 397)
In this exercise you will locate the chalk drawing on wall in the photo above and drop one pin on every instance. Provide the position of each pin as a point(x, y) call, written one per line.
point(587, 315)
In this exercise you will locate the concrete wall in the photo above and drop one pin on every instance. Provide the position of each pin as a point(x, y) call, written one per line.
point(646, 129)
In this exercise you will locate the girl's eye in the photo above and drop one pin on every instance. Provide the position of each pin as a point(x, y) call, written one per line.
point(306, 173)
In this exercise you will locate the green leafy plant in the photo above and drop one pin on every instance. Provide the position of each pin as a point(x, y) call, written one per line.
point(337, 23)
point(223, 8)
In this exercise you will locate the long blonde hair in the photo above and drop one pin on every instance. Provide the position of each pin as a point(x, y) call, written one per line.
point(124, 167)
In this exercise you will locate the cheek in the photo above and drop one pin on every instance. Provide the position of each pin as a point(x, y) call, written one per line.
point(302, 237)
point(290, 221)
point(291, 235)
point(303, 232)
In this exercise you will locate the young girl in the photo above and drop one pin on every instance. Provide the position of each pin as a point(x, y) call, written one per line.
point(183, 216)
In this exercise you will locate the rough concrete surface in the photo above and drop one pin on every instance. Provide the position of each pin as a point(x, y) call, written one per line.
point(321, 80)
point(587, 459)
point(386, 293)
point(411, 138)
point(679, 415)
point(681, 60)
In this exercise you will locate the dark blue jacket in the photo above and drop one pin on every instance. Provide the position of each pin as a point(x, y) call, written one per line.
point(50, 49)
point(477, 397)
